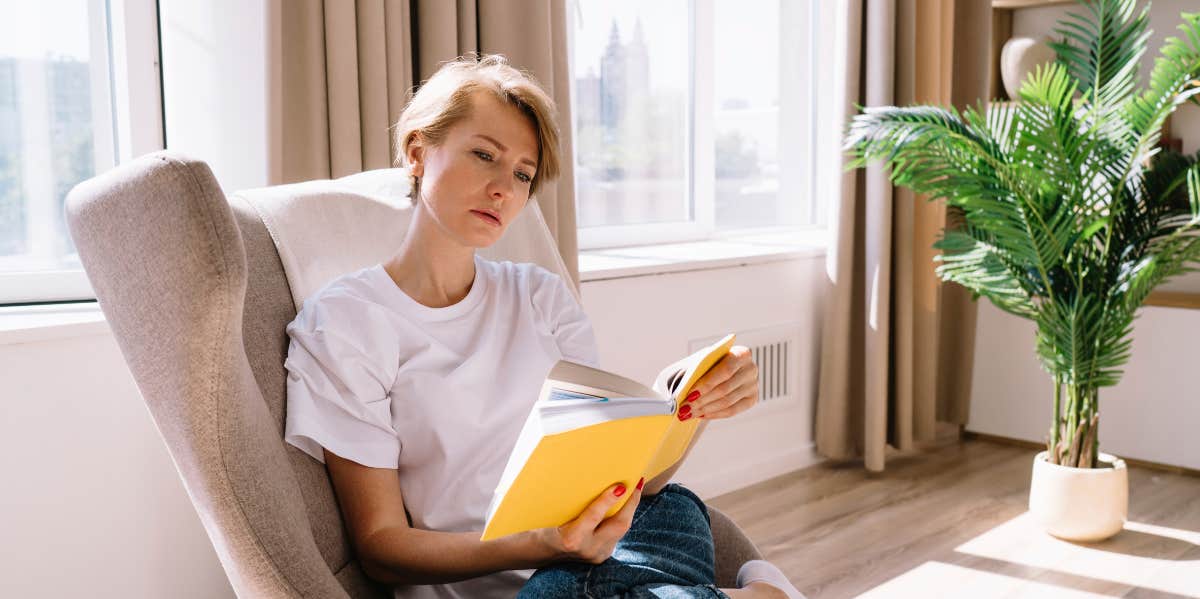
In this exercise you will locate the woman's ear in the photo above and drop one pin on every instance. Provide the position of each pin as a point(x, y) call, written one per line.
point(415, 154)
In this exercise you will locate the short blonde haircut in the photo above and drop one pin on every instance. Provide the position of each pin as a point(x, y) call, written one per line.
point(445, 99)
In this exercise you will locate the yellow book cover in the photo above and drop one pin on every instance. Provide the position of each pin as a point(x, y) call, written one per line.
point(588, 430)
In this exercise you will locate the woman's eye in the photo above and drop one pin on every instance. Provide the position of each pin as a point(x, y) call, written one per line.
point(483, 155)
point(522, 177)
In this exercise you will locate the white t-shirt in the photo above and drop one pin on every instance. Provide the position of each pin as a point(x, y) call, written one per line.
point(439, 393)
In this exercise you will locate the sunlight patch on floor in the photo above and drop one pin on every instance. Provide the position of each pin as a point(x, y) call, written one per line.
point(938, 579)
point(1142, 555)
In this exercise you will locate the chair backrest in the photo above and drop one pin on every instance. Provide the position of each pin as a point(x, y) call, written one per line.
point(198, 296)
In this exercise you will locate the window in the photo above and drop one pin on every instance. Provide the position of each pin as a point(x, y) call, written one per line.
point(692, 118)
point(78, 93)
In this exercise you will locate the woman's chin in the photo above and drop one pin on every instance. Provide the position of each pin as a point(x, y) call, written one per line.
point(484, 239)
point(486, 236)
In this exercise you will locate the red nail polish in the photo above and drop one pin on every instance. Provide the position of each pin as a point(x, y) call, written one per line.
point(619, 491)
point(641, 482)
point(693, 396)
point(684, 416)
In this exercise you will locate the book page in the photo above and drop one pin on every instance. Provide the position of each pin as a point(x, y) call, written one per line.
point(577, 378)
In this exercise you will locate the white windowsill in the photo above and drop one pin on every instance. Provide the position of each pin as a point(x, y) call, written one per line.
point(724, 252)
point(28, 324)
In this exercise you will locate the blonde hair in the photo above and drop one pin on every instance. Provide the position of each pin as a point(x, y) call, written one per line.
point(445, 99)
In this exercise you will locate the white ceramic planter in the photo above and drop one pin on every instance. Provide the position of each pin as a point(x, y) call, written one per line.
point(1080, 504)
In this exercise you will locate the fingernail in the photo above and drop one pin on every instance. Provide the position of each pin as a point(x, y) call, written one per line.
point(702, 415)
point(684, 416)
point(693, 396)
point(641, 481)
point(619, 491)
point(685, 412)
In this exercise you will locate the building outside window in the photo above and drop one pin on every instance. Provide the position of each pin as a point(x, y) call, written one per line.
point(692, 118)
point(67, 84)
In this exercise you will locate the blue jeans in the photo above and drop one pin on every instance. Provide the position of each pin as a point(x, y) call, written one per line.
point(667, 553)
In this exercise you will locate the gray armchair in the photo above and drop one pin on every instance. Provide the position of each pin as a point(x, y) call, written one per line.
point(198, 295)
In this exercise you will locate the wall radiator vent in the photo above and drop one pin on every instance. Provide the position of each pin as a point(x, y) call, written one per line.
point(772, 360)
point(774, 350)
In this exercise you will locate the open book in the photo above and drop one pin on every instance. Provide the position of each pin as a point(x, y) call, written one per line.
point(588, 430)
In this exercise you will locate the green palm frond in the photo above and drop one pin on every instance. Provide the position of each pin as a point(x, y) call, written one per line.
point(1084, 340)
point(1102, 49)
point(933, 152)
point(1172, 82)
point(987, 271)
point(1073, 214)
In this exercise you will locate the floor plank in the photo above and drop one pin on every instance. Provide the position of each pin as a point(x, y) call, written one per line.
point(952, 520)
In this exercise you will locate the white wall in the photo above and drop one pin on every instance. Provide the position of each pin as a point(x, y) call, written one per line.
point(1153, 414)
point(92, 506)
point(644, 323)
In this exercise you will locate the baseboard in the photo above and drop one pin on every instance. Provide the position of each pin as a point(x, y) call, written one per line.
point(967, 435)
point(738, 476)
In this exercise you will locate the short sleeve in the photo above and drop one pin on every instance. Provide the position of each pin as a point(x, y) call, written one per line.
point(565, 319)
point(342, 360)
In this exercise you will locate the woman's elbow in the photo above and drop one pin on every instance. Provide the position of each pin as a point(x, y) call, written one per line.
point(375, 566)
point(381, 573)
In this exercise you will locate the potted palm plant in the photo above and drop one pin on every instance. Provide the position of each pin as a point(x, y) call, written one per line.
point(1073, 214)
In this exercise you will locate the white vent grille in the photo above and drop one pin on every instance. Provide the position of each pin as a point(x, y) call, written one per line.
point(772, 360)
point(774, 350)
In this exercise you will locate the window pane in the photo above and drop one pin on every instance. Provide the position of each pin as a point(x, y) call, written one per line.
point(48, 102)
point(758, 152)
point(632, 94)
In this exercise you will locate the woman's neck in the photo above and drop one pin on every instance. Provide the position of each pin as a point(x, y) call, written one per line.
point(430, 267)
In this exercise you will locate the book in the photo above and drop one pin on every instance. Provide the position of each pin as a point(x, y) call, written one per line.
point(588, 430)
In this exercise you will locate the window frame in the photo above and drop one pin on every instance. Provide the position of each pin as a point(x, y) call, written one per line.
point(127, 100)
point(702, 150)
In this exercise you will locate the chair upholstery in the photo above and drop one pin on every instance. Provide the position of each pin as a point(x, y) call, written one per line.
point(197, 297)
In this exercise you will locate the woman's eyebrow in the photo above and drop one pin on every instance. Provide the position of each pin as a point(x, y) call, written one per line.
point(503, 148)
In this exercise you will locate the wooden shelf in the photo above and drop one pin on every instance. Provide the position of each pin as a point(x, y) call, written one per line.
point(1173, 299)
point(1015, 4)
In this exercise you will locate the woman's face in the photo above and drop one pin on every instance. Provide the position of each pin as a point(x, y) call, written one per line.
point(484, 166)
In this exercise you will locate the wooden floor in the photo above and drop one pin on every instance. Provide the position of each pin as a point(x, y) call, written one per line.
point(951, 522)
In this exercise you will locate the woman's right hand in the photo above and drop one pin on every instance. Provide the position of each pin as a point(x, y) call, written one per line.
point(591, 537)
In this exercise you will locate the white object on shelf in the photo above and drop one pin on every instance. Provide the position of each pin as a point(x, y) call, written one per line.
point(1019, 57)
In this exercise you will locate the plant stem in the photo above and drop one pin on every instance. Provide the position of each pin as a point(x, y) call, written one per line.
point(1095, 426)
point(1072, 412)
point(1054, 428)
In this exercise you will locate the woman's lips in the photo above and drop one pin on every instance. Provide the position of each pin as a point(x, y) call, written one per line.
point(487, 217)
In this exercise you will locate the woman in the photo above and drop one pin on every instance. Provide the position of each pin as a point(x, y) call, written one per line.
point(411, 379)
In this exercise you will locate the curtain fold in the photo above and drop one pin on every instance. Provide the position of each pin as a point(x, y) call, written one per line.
point(897, 349)
point(348, 67)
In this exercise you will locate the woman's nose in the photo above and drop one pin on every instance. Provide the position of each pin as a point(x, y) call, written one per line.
point(501, 188)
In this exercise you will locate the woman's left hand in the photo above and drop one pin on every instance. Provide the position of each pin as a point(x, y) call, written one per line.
point(728, 388)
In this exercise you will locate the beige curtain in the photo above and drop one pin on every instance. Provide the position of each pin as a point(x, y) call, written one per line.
point(347, 67)
point(897, 349)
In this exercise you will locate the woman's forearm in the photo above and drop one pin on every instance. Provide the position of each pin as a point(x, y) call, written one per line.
point(414, 556)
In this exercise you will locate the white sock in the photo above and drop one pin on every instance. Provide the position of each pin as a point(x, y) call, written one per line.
point(757, 570)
